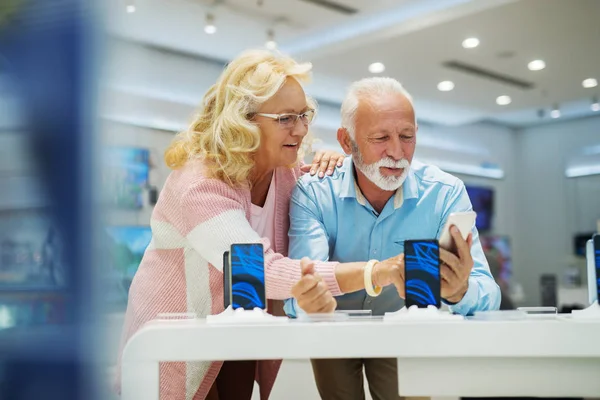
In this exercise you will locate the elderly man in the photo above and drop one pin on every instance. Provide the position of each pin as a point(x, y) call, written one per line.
point(378, 199)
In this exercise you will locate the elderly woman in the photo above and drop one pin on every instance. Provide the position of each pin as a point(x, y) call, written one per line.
point(233, 173)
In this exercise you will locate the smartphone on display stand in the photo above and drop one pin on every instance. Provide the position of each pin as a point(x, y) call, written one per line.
point(464, 221)
point(596, 239)
point(247, 265)
point(226, 280)
point(422, 273)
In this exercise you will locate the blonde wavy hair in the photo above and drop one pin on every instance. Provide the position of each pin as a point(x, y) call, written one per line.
point(222, 133)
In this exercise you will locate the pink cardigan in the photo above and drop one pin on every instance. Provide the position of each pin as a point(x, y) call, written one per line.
point(194, 222)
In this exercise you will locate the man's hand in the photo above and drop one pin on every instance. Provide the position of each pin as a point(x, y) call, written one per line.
point(390, 271)
point(456, 268)
point(311, 292)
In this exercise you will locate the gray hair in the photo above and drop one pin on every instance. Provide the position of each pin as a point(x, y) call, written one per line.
point(368, 88)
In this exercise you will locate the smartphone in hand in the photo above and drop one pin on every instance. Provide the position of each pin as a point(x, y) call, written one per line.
point(464, 221)
point(422, 273)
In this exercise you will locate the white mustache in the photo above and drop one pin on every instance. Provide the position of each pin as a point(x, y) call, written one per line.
point(391, 163)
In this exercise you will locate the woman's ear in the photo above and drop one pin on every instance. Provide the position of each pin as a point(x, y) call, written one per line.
point(343, 137)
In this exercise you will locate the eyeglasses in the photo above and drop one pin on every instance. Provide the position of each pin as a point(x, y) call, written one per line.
point(289, 120)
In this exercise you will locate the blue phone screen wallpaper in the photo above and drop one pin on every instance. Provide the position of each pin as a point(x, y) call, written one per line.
point(422, 274)
point(247, 277)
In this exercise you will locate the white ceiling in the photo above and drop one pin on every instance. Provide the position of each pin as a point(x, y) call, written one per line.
point(412, 37)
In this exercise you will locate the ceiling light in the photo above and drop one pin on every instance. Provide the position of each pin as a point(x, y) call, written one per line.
point(130, 8)
point(555, 113)
point(445, 86)
point(470, 43)
point(271, 44)
point(503, 100)
point(376, 68)
point(589, 83)
point(210, 28)
point(536, 65)
point(595, 105)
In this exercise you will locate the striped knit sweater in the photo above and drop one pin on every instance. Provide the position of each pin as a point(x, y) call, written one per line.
point(194, 222)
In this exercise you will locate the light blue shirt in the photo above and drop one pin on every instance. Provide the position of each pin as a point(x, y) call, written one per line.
point(330, 219)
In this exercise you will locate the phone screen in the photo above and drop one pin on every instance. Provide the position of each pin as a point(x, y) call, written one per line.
point(226, 280)
point(422, 273)
point(597, 258)
point(247, 276)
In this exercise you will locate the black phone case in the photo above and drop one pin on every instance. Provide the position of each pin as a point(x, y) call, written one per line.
point(226, 280)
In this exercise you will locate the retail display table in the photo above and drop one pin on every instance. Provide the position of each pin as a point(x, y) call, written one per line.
point(546, 358)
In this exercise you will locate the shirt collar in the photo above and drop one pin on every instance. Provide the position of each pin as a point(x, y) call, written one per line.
point(409, 189)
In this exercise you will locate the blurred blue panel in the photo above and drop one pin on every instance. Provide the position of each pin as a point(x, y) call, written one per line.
point(46, 249)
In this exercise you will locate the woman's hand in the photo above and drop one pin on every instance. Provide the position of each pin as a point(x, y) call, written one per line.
point(324, 162)
point(311, 292)
point(390, 271)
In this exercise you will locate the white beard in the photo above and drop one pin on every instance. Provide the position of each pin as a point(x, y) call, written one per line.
point(372, 172)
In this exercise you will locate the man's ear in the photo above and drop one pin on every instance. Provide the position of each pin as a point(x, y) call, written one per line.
point(343, 137)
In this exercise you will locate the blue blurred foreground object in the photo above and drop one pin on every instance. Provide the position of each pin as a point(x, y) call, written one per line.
point(48, 53)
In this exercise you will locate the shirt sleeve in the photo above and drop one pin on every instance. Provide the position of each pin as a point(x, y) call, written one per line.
point(483, 293)
point(307, 235)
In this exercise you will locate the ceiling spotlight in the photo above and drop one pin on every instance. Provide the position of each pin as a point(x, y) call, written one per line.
point(376, 68)
point(536, 65)
point(470, 43)
point(589, 83)
point(555, 113)
point(271, 44)
point(503, 100)
point(210, 28)
point(595, 105)
point(130, 8)
point(445, 86)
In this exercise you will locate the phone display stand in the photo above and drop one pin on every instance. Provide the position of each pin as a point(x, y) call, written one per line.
point(592, 312)
point(241, 316)
point(414, 313)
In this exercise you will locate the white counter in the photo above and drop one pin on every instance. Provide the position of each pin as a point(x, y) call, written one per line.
point(554, 358)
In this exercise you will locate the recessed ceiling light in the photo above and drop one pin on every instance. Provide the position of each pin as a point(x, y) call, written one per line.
point(445, 86)
point(130, 8)
point(470, 43)
point(595, 107)
point(210, 29)
point(589, 83)
point(376, 68)
point(536, 65)
point(271, 44)
point(503, 100)
point(555, 113)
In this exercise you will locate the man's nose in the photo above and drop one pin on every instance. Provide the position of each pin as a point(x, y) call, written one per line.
point(394, 149)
